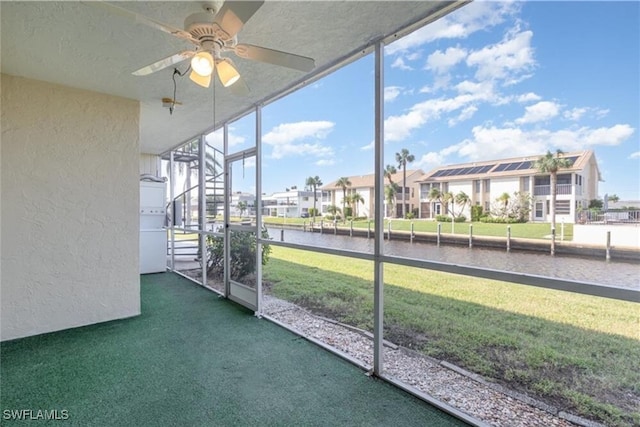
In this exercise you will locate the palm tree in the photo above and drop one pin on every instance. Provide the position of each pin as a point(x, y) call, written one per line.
point(343, 183)
point(333, 210)
point(390, 195)
point(613, 198)
point(389, 171)
point(462, 199)
point(550, 163)
point(435, 195)
point(403, 157)
point(242, 207)
point(447, 198)
point(355, 199)
point(313, 182)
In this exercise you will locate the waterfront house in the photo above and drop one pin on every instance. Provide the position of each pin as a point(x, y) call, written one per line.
point(290, 203)
point(364, 185)
point(484, 182)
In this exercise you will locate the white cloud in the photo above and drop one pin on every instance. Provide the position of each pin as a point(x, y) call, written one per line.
point(528, 97)
point(399, 63)
point(493, 143)
point(635, 155)
point(465, 114)
point(510, 60)
point(468, 19)
point(300, 138)
point(215, 139)
point(325, 162)
point(391, 93)
point(575, 114)
point(543, 110)
point(429, 161)
point(368, 147)
point(440, 62)
point(399, 127)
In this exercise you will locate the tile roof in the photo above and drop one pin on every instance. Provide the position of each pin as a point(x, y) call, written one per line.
point(366, 181)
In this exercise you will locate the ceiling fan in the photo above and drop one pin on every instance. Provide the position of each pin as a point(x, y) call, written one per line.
point(214, 34)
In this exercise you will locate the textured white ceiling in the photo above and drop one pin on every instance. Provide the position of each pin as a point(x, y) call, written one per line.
point(85, 46)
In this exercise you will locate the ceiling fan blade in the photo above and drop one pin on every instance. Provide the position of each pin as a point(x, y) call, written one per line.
point(233, 15)
point(239, 88)
point(164, 63)
point(141, 19)
point(275, 57)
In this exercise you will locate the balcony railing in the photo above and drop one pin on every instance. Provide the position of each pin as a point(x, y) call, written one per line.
point(545, 190)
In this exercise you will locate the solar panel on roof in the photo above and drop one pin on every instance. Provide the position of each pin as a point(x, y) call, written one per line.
point(457, 172)
point(572, 160)
point(513, 166)
point(465, 171)
point(486, 169)
point(524, 165)
point(501, 167)
point(474, 170)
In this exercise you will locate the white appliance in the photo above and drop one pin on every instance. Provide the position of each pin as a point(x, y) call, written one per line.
point(153, 234)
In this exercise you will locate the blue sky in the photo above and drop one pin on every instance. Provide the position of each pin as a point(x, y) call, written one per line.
point(491, 80)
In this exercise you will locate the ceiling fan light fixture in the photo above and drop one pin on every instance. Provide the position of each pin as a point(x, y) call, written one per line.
point(203, 81)
point(227, 73)
point(202, 64)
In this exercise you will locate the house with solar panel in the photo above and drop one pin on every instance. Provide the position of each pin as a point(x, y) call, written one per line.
point(484, 182)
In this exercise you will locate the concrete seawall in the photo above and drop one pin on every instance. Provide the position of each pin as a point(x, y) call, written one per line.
point(497, 243)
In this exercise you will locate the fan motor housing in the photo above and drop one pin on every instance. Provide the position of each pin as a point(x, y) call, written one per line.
point(203, 28)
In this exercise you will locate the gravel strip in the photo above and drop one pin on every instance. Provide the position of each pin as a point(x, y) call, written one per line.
point(468, 393)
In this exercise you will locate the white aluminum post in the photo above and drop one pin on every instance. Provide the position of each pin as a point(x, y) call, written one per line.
point(258, 209)
point(227, 212)
point(378, 275)
point(202, 199)
point(173, 211)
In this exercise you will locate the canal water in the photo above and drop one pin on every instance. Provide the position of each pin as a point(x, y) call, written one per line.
point(612, 273)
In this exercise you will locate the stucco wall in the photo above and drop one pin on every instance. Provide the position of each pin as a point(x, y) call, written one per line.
point(70, 165)
point(622, 235)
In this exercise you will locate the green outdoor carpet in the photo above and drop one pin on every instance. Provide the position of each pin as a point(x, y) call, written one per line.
point(193, 359)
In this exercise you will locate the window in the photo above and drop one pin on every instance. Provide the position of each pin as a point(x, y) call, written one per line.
point(542, 180)
point(424, 191)
point(476, 185)
point(487, 207)
point(305, 199)
point(564, 178)
point(487, 185)
point(524, 183)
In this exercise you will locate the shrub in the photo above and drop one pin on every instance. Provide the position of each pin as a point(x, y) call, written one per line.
point(313, 212)
point(476, 212)
point(348, 211)
point(243, 253)
point(446, 218)
point(494, 220)
point(409, 215)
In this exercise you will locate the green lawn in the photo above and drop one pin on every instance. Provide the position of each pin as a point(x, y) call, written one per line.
point(577, 352)
point(527, 230)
